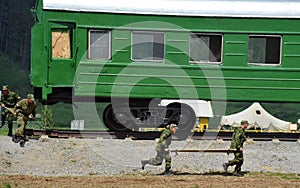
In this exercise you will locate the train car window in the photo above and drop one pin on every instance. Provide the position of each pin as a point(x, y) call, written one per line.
point(61, 43)
point(205, 48)
point(99, 44)
point(264, 50)
point(147, 46)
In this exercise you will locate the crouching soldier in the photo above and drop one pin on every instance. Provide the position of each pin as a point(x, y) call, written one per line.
point(23, 109)
point(238, 139)
point(8, 101)
point(162, 149)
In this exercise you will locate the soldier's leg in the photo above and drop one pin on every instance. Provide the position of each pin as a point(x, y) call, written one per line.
point(235, 160)
point(168, 161)
point(10, 123)
point(3, 117)
point(19, 132)
point(157, 160)
point(240, 161)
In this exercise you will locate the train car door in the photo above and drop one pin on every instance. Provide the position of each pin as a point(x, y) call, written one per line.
point(61, 65)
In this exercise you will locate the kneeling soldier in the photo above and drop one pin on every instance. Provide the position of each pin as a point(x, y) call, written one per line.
point(23, 110)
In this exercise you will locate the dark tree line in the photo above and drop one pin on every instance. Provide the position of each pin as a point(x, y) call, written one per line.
point(16, 21)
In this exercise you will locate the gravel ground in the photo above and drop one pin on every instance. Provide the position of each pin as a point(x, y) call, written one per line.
point(107, 157)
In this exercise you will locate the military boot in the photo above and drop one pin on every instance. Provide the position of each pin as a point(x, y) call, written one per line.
point(237, 173)
point(22, 143)
point(144, 162)
point(225, 166)
point(16, 139)
point(167, 172)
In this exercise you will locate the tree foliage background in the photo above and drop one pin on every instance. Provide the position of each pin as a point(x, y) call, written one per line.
point(15, 26)
point(16, 21)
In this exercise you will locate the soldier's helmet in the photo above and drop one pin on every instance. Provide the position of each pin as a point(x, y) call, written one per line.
point(173, 126)
point(30, 96)
point(5, 88)
point(244, 122)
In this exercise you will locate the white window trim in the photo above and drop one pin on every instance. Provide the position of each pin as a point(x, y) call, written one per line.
point(109, 46)
point(280, 55)
point(145, 60)
point(207, 62)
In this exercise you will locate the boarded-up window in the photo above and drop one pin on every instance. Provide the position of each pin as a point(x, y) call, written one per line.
point(61, 43)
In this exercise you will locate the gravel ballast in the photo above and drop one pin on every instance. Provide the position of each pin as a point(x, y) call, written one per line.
point(107, 157)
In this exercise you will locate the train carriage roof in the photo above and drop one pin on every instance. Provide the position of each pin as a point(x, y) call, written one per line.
point(211, 8)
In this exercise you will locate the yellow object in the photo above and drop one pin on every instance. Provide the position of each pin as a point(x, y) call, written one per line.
point(203, 125)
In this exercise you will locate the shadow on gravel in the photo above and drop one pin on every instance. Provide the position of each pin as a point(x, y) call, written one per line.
point(176, 173)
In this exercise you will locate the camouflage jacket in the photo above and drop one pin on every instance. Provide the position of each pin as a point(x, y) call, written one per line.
point(238, 138)
point(164, 140)
point(10, 100)
point(25, 108)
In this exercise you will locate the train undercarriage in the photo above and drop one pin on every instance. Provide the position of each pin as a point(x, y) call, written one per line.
point(137, 114)
point(131, 117)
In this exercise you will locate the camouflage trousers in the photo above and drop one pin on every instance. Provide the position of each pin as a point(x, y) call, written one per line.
point(22, 122)
point(160, 156)
point(5, 113)
point(238, 161)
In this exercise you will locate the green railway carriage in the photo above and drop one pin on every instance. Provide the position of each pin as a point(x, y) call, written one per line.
point(175, 50)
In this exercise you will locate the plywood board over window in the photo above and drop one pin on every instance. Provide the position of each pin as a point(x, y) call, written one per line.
point(61, 43)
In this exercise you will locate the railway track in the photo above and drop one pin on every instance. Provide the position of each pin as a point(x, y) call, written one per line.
point(207, 135)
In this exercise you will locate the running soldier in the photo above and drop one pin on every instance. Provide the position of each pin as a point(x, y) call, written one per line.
point(238, 139)
point(8, 100)
point(162, 150)
point(23, 110)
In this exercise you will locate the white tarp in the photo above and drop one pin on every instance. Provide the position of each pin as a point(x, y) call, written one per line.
point(257, 116)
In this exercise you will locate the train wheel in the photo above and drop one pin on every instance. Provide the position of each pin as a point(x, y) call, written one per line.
point(115, 119)
point(184, 116)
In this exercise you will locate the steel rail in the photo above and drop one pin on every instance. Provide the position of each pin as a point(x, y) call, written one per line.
point(206, 135)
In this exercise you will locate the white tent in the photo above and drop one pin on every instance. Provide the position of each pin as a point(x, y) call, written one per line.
point(257, 116)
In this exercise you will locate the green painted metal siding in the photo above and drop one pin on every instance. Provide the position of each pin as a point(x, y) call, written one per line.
point(177, 47)
point(235, 50)
point(290, 51)
point(121, 41)
point(175, 77)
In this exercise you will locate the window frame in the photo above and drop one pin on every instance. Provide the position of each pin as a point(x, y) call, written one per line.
point(109, 45)
point(148, 60)
point(207, 62)
point(266, 36)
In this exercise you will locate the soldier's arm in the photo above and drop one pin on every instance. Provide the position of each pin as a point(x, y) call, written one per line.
point(163, 139)
point(1, 103)
point(16, 97)
point(243, 138)
point(17, 108)
point(239, 142)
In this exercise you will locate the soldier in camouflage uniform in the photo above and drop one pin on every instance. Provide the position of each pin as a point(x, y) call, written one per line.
point(238, 139)
point(8, 100)
point(23, 110)
point(162, 149)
